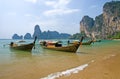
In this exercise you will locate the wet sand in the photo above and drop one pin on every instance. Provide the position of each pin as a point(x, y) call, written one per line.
point(105, 67)
point(34, 68)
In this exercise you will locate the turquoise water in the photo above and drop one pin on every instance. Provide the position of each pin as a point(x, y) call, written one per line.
point(40, 62)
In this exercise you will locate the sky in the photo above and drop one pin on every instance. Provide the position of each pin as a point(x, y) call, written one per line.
point(64, 16)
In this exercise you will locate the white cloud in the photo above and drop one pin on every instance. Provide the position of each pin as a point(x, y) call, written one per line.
point(32, 1)
point(59, 4)
point(59, 7)
point(50, 3)
point(59, 11)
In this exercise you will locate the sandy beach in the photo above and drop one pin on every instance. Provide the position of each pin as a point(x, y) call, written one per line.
point(106, 67)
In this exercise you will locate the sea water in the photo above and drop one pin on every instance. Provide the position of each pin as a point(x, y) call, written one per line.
point(42, 63)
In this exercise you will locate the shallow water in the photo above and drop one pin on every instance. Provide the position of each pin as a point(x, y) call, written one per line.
point(40, 63)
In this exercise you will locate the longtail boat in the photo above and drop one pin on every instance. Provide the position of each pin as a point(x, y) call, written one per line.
point(70, 48)
point(23, 47)
point(83, 43)
point(87, 43)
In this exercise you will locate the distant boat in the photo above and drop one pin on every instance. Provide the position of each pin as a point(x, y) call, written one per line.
point(23, 47)
point(83, 43)
point(87, 43)
point(58, 47)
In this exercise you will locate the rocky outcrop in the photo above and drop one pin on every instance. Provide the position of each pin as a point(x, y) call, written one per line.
point(111, 18)
point(65, 35)
point(43, 35)
point(27, 36)
point(105, 25)
point(98, 26)
point(54, 35)
point(49, 34)
point(86, 24)
point(37, 32)
point(16, 36)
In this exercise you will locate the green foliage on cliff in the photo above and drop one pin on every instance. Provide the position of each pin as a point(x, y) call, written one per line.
point(117, 35)
point(113, 8)
point(76, 36)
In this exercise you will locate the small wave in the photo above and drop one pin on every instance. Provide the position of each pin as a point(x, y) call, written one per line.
point(65, 73)
point(108, 57)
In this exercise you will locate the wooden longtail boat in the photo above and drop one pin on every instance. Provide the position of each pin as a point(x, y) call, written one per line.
point(83, 43)
point(23, 47)
point(70, 48)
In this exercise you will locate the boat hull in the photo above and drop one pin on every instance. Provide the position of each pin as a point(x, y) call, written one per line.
point(72, 48)
point(84, 43)
point(26, 47)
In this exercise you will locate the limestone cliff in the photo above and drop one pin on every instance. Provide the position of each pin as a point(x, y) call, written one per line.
point(86, 24)
point(27, 36)
point(49, 34)
point(16, 36)
point(98, 26)
point(111, 18)
point(37, 32)
point(105, 25)
point(43, 35)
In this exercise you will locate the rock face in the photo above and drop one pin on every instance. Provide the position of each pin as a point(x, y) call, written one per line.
point(49, 34)
point(37, 32)
point(98, 26)
point(64, 35)
point(27, 36)
point(54, 35)
point(111, 17)
point(16, 36)
point(43, 35)
point(86, 24)
point(105, 25)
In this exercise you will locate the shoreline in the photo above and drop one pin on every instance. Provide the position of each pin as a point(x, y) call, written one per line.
point(105, 68)
point(68, 72)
